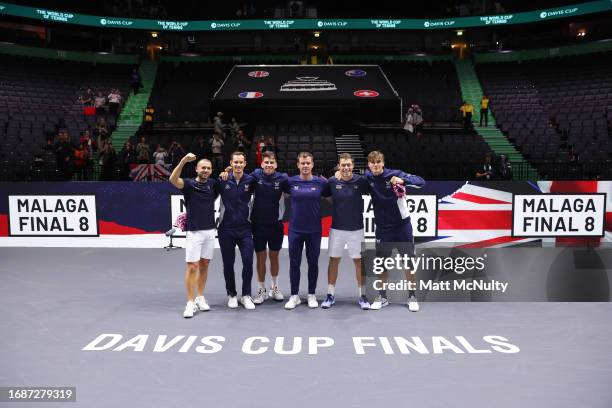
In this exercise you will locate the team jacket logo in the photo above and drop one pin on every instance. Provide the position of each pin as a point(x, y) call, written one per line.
point(250, 95)
point(259, 74)
point(366, 93)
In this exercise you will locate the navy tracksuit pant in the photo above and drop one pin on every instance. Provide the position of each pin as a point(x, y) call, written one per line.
point(228, 240)
point(297, 240)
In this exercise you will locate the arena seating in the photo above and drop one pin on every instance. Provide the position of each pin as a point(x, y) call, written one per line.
point(434, 87)
point(435, 155)
point(182, 92)
point(40, 96)
point(292, 139)
point(549, 107)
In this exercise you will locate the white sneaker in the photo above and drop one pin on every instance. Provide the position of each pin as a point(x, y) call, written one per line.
point(247, 302)
point(293, 301)
point(276, 294)
point(232, 302)
point(261, 296)
point(412, 303)
point(190, 310)
point(312, 302)
point(379, 303)
point(200, 302)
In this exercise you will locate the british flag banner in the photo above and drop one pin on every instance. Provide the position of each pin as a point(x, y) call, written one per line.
point(480, 214)
point(149, 172)
point(464, 214)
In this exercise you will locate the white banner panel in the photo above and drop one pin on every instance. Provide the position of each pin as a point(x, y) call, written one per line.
point(53, 216)
point(558, 215)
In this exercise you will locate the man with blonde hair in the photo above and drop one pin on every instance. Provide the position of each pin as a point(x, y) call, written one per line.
point(392, 218)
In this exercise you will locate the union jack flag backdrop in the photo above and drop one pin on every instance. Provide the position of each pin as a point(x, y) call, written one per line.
point(479, 214)
point(149, 172)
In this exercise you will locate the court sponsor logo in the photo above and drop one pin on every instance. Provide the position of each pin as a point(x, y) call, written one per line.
point(53, 216)
point(254, 345)
point(355, 73)
point(259, 74)
point(250, 95)
point(558, 215)
point(366, 93)
point(307, 84)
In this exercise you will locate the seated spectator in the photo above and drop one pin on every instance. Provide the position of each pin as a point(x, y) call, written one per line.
point(414, 121)
point(143, 151)
point(114, 101)
point(99, 102)
point(160, 155)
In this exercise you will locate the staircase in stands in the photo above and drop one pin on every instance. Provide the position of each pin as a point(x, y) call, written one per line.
point(351, 144)
point(131, 116)
point(471, 91)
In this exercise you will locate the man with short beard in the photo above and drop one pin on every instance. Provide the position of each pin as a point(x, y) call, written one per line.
point(200, 199)
point(346, 190)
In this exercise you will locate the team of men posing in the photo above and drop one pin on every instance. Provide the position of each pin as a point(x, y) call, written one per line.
point(251, 213)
